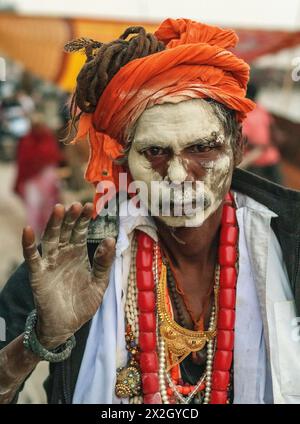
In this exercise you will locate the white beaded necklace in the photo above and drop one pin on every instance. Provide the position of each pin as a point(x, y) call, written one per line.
point(131, 308)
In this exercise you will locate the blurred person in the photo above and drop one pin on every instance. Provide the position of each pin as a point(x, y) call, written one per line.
point(14, 124)
point(13, 117)
point(159, 308)
point(26, 102)
point(37, 182)
point(261, 156)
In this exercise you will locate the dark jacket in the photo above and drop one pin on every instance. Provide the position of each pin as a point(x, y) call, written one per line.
point(16, 300)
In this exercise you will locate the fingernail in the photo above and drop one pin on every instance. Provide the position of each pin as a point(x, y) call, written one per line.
point(76, 204)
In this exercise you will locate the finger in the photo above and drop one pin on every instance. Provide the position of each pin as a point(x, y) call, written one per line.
point(79, 232)
point(30, 252)
point(50, 238)
point(103, 259)
point(69, 221)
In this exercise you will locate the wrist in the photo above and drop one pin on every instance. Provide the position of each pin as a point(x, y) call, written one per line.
point(52, 349)
point(49, 342)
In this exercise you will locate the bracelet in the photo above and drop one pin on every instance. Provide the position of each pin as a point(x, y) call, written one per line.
point(31, 342)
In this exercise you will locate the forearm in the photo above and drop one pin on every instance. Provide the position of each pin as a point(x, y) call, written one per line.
point(16, 362)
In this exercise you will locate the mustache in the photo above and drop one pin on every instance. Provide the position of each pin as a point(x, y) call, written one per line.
point(202, 201)
point(171, 199)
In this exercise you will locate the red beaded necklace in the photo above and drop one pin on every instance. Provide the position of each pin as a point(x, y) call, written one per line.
point(149, 364)
point(147, 319)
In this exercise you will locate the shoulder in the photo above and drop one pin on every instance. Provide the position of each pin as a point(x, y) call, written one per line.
point(282, 201)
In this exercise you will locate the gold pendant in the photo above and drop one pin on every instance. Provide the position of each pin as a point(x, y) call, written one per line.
point(128, 381)
point(180, 342)
point(180, 345)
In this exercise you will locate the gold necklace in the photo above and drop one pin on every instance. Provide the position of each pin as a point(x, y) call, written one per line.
point(180, 342)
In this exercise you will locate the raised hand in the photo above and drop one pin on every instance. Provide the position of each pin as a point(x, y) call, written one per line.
point(66, 290)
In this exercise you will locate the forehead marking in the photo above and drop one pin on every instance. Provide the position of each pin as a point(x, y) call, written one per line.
point(187, 120)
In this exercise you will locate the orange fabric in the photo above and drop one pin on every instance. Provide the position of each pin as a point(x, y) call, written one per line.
point(175, 32)
point(103, 150)
point(195, 64)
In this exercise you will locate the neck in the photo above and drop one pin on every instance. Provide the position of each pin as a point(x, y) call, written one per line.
point(193, 245)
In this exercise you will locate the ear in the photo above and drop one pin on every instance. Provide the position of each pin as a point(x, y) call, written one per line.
point(239, 147)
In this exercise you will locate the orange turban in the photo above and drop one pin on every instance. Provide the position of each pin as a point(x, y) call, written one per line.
point(195, 64)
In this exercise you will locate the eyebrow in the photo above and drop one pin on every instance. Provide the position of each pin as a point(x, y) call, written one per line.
point(204, 140)
point(147, 143)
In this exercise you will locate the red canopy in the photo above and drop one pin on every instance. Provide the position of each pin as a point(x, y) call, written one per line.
point(37, 42)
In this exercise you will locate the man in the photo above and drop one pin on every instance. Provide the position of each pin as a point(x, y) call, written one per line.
point(193, 307)
point(262, 156)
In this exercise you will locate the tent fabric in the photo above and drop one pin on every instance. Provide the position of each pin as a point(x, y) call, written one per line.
point(37, 43)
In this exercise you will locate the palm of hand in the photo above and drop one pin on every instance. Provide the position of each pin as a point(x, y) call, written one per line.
point(66, 289)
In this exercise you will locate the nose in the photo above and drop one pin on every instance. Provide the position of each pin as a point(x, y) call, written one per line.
point(176, 171)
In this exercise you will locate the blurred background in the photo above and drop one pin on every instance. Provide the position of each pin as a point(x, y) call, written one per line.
point(37, 78)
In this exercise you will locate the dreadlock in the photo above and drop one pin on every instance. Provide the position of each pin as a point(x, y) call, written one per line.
point(103, 60)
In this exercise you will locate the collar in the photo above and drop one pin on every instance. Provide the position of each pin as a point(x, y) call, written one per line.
point(129, 222)
point(244, 201)
point(142, 221)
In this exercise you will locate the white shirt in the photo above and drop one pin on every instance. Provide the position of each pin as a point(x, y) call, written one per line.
point(266, 347)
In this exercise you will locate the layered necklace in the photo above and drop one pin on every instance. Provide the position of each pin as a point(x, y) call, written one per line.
point(157, 344)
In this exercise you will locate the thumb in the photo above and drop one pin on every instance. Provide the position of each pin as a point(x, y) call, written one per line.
point(103, 259)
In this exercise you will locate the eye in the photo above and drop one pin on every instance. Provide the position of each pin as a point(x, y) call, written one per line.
point(155, 151)
point(200, 148)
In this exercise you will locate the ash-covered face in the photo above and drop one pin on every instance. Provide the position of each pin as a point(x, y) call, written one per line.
point(183, 142)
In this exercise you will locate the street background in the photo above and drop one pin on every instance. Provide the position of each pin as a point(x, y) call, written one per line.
point(37, 78)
